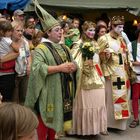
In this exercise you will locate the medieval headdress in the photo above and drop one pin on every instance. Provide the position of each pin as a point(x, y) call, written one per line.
point(47, 20)
point(116, 20)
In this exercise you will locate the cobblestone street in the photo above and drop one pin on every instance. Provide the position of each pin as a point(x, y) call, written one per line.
point(129, 134)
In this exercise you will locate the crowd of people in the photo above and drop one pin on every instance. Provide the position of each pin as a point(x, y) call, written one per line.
point(75, 78)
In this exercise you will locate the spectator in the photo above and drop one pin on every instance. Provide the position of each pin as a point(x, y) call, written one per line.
point(36, 39)
point(17, 122)
point(23, 63)
point(8, 17)
point(134, 49)
point(65, 29)
point(30, 19)
point(0, 98)
point(7, 61)
point(100, 31)
point(101, 23)
point(29, 31)
point(73, 33)
point(2, 17)
point(18, 16)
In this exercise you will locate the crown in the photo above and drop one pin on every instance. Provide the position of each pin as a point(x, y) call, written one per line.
point(117, 20)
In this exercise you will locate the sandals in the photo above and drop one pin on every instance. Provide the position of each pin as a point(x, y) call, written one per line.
point(104, 133)
point(134, 124)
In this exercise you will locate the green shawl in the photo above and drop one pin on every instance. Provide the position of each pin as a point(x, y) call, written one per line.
point(46, 88)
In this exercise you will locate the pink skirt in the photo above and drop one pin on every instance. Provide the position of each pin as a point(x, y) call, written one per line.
point(89, 112)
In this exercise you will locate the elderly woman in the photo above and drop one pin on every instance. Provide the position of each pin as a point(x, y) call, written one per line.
point(23, 62)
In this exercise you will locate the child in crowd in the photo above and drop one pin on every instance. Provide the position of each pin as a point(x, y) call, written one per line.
point(73, 34)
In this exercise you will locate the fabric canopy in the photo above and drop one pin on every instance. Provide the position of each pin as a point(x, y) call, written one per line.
point(88, 4)
point(92, 4)
point(13, 4)
point(107, 4)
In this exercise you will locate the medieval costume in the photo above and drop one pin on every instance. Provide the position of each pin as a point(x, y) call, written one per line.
point(50, 90)
point(117, 84)
point(89, 111)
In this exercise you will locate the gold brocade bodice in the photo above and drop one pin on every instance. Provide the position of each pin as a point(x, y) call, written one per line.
point(90, 78)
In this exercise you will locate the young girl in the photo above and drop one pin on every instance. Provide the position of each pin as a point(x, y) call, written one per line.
point(17, 122)
point(7, 61)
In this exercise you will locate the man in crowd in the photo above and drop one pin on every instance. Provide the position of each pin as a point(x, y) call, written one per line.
point(18, 16)
point(134, 49)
